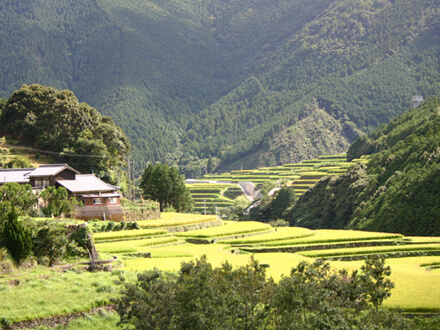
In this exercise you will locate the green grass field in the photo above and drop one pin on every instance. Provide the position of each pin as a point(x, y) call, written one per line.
point(45, 292)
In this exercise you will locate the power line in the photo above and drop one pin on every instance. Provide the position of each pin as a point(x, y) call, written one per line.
point(62, 154)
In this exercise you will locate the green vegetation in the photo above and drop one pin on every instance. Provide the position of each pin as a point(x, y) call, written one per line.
point(231, 83)
point(47, 241)
point(165, 185)
point(17, 238)
point(415, 289)
point(57, 202)
point(371, 250)
point(396, 191)
point(54, 120)
point(200, 295)
point(171, 219)
point(283, 248)
point(126, 246)
point(20, 196)
point(285, 197)
point(47, 292)
point(281, 234)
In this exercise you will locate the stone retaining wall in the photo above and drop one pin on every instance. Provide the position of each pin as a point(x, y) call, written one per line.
point(142, 214)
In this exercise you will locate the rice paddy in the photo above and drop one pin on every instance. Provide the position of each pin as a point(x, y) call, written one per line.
point(417, 286)
point(117, 235)
point(46, 292)
point(228, 229)
point(215, 192)
point(175, 219)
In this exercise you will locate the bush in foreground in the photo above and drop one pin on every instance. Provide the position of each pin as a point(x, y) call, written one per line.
point(313, 296)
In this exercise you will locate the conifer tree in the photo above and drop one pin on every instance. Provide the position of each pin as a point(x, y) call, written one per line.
point(18, 239)
point(165, 185)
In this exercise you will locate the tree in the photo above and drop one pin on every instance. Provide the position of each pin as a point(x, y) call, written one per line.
point(374, 280)
point(165, 185)
point(18, 239)
point(143, 304)
point(50, 242)
point(316, 297)
point(199, 297)
point(211, 166)
point(58, 202)
point(19, 162)
point(54, 120)
point(285, 198)
point(17, 195)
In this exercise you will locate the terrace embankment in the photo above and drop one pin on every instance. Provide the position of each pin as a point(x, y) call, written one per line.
point(195, 226)
point(139, 214)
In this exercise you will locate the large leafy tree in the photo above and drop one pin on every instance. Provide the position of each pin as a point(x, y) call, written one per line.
point(165, 185)
point(57, 202)
point(54, 120)
point(17, 195)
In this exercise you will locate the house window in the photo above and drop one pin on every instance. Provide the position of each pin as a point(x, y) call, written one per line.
point(97, 200)
point(38, 183)
point(112, 200)
point(46, 183)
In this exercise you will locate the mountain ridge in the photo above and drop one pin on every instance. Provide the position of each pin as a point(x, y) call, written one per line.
point(395, 192)
point(159, 68)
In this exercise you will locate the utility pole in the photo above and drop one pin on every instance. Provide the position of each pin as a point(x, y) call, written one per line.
point(129, 177)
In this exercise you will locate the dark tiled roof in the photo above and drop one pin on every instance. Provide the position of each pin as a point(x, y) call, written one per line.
point(51, 170)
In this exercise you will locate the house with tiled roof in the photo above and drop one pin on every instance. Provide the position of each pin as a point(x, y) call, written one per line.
point(100, 200)
point(19, 175)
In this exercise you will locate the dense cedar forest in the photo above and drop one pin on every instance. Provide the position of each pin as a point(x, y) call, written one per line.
point(397, 191)
point(226, 79)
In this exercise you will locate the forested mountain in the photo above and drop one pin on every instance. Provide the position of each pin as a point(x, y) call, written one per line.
point(188, 80)
point(398, 190)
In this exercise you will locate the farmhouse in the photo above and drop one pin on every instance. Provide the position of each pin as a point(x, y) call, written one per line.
point(100, 200)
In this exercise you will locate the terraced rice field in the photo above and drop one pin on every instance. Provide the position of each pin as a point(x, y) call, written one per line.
point(175, 220)
point(208, 196)
point(121, 235)
point(300, 176)
point(229, 228)
point(417, 280)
